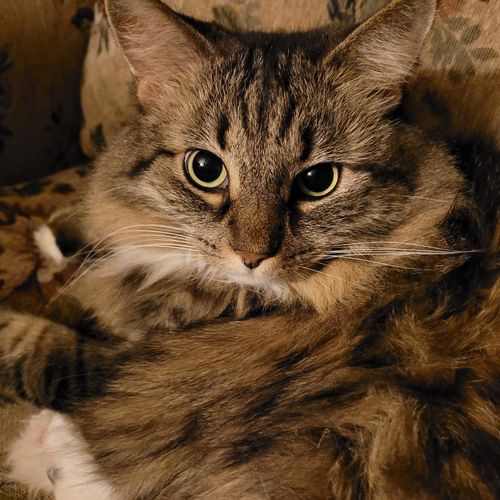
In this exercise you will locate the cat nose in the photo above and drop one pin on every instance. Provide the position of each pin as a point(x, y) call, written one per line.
point(251, 260)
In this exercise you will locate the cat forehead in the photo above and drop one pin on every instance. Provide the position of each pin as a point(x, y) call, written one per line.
point(313, 44)
point(278, 58)
point(268, 105)
point(270, 92)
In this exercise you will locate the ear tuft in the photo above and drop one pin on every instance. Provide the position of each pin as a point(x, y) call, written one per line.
point(159, 44)
point(381, 54)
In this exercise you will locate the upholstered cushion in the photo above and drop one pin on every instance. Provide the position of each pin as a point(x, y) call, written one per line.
point(23, 208)
point(42, 45)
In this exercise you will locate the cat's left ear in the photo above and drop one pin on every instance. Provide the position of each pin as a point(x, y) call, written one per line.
point(161, 46)
point(378, 57)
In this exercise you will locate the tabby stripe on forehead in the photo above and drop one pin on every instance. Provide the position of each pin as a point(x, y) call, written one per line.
point(248, 73)
point(222, 131)
point(307, 143)
point(248, 70)
point(269, 63)
point(283, 77)
point(288, 117)
point(245, 121)
point(143, 165)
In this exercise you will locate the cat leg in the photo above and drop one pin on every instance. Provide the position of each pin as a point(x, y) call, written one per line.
point(51, 456)
point(51, 364)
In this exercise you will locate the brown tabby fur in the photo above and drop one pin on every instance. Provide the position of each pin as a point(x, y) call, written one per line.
point(368, 378)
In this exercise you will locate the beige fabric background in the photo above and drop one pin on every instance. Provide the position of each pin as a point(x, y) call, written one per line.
point(42, 44)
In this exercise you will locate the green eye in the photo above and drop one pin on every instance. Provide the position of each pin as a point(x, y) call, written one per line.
point(205, 170)
point(318, 181)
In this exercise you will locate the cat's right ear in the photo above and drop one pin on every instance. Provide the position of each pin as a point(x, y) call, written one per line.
point(161, 46)
point(379, 56)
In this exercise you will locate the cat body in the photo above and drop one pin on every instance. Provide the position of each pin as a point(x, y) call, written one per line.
point(343, 264)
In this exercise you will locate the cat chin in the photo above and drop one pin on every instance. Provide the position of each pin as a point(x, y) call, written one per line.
point(260, 283)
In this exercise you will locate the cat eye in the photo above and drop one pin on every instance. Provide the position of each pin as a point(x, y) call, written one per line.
point(205, 170)
point(318, 181)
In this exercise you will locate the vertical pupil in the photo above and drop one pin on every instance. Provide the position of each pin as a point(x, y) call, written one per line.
point(318, 179)
point(207, 167)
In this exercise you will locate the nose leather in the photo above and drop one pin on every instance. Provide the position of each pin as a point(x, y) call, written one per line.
point(251, 260)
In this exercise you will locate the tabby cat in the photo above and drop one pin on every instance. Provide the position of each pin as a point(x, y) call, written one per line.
point(270, 179)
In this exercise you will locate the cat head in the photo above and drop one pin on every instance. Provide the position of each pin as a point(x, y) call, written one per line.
point(270, 160)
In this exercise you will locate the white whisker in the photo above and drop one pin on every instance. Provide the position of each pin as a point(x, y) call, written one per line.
point(172, 229)
point(78, 275)
point(420, 198)
point(386, 264)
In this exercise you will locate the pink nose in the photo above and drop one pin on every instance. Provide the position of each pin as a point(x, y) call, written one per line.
point(251, 260)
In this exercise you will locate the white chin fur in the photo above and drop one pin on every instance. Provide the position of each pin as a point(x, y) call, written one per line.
point(260, 283)
point(186, 264)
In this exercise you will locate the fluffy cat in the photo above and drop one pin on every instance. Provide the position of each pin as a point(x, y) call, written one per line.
point(268, 176)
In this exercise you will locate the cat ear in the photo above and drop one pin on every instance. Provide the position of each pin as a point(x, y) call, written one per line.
point(161, 46)
point(378, 57)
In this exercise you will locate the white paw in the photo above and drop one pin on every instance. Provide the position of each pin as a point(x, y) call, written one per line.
point(51, 456)
point(51, 257)
point(27, 455)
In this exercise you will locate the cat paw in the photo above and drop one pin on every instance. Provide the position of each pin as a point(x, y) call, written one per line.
point(52, 261)
point(28, 457)
point(51, 456)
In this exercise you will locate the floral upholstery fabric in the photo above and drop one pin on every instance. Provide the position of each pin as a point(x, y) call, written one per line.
point(23, 208)
point(457, 87)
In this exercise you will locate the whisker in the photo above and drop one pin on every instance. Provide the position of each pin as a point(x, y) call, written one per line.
point(123, 229)
point(78, 275)
point(394, 252)
point(97, 241)
point(419, 198)
point(387, 264)
point(395, 243)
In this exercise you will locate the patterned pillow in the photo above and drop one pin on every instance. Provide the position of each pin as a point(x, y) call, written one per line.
point(456, 88)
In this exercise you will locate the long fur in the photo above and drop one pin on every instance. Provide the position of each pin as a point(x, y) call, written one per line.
point(359, 360)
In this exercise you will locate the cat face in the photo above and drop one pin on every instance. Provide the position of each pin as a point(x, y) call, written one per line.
point(267, 159)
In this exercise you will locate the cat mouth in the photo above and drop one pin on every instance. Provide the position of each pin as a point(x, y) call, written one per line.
point(277, 271)
point(264, 276)
point(305, 263)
